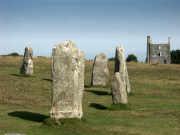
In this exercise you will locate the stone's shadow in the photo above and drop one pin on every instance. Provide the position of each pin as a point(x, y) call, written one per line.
point(98, 106)
point(23, 75)
point(50, 80)
point(16, 75)
point(28, 116)
point(87, 86)
point(98, 92)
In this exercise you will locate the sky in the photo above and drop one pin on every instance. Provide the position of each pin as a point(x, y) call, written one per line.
point(95, 26)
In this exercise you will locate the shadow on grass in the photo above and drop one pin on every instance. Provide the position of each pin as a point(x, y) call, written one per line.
point(15, 75)
point(98, 106)
point(98, 92)
point(23, 75)
point(87, 86)
point(50, 80)
point(28, 116)
point(96, 86)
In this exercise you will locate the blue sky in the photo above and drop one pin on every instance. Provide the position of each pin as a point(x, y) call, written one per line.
point(95, 25)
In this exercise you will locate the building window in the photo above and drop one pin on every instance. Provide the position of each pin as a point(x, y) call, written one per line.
point(160, 54)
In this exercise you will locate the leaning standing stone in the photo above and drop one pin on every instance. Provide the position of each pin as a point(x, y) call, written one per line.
point(120, 66)
point(67, 81)
point(119, 94)
point(100, 71)
point(27, 67)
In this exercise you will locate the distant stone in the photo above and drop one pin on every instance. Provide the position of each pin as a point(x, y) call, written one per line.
point(27, 67)
point(100, 71)
point(120, 66)
point(119, 94)
point(67, 81)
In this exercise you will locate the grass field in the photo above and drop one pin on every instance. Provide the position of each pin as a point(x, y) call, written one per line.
point(154, 101)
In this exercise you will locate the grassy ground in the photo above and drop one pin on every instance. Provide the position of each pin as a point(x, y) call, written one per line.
point(154, 101)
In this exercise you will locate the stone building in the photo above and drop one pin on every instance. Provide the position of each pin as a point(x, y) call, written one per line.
point(158, 53)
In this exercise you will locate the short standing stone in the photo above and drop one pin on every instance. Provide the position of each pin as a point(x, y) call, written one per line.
point(120, 66)
point(100, 71)
point(119, 94)
point(27, 67)
point(67, 81)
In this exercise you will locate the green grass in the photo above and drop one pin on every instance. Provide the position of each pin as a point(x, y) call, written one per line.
point(120, 106)
point(63, 122)
point(23, 75)
point(153, 109)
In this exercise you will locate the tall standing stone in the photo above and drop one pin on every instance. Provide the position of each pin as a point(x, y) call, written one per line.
point(27, 67)
point(100, 71)
point(120, 66)
point(119, 94)
point(67, 81)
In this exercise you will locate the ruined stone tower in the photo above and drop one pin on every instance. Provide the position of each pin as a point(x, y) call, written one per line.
point(158, 53)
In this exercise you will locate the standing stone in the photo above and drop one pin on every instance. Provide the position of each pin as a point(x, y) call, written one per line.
point(120, 66)
point(27, 67)
point(119, 94)
point(67, 81)
point(100, 72)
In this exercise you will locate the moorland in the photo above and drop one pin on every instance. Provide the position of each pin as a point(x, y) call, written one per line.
point(153, 104)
